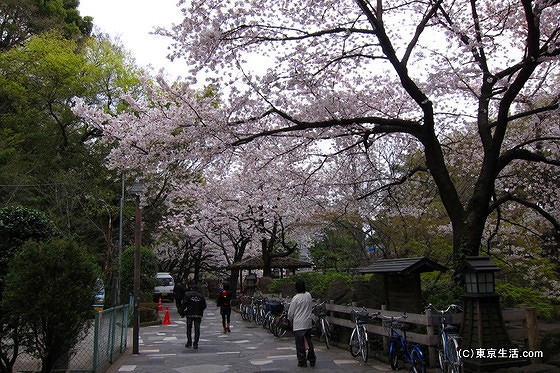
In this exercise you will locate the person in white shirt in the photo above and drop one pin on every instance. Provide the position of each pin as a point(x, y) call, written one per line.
point(299, 314)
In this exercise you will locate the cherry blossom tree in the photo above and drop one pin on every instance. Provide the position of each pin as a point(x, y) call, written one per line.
point(342, 80)
point(357, 71)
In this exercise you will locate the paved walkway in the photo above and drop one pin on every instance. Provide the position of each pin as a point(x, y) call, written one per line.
point(248, 348)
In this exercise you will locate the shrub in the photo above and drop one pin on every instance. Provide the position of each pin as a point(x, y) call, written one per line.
point(148, 270)
point(51, 288)
point(516, 296)
point(440, 290)
point(318, 284)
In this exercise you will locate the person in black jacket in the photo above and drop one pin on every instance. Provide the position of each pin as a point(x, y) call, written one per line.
point(194, 305)
point(179, 295)
point(224, 302)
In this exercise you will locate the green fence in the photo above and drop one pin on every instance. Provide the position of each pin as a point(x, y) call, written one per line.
point(110, 336)
point(105, 340)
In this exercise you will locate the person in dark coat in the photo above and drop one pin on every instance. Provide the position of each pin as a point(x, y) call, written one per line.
point(224, 302)
point(194, 305)
point(179, 295)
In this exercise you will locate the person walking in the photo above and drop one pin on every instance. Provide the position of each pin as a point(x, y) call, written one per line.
point(194, 305)
point(299, 314)
point(224, 302)
point(179, 295)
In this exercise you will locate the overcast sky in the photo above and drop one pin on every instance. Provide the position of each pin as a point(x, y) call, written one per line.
point(132, 21)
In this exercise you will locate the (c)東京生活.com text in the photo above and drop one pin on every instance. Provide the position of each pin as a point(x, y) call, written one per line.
point(499, 353)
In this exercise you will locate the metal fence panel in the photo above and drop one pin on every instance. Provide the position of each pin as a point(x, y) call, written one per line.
point(110, 336)
point(104, 341)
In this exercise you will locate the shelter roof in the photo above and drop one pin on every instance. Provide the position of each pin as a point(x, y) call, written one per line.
point(403, 266)
point(257, 262)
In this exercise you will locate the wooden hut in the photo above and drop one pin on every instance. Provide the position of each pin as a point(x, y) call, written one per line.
point(401, 281)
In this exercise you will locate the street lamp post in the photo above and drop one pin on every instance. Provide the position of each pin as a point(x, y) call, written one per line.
point(119, 260)
point(137, 189)
point(108, 273)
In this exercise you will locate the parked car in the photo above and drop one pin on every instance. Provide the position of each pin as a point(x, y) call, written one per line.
point(99, 302)
point(164, 287)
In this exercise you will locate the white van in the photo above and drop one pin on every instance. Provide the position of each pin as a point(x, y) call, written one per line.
point(164, 286)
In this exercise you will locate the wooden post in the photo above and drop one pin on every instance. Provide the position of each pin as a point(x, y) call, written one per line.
point(532, 327)
point(386, 336)
point(430, 332)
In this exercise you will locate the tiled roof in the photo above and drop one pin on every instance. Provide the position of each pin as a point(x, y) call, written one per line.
point(403, 265)
point(278, 262)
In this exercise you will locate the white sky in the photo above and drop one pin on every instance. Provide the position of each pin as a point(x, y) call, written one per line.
point(131, 21)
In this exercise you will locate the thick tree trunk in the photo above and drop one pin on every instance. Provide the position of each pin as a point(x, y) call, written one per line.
point(267, 257)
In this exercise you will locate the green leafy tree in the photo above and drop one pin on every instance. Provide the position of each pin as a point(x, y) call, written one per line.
point(341, 246)
point(61, 277)
point(148, 270)
point(52, 160)
point(17, 225)
point(20, 19)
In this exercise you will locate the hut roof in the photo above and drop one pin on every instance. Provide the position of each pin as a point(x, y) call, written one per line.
point(404, 266)
point(257, 262)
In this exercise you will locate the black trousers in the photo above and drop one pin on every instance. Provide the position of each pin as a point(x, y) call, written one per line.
point(226, 316)
point(302, 356)
point(196, 321)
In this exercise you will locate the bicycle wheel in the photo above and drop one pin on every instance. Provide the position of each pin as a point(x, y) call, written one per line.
point(417, 360)
point(280, 329)
point(455, 364)
point(395, 354)
point(326, 332)
point(364, 345)
point(441, 351)
point(250, 313)
point(355, 343)
point(242, 311)
point(256, 315)
point(272, 324)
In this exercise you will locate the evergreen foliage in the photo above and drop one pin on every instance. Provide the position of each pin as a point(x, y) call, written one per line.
point(50, 289)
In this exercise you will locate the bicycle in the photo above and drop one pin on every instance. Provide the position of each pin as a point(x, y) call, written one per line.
point(359, 337)
point(323, 325)
point(280, 323)
point(247, 308)
point(400, 351)
point(449, 341)
point(258, 310)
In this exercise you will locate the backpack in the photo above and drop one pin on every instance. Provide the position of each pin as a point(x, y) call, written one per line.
point(223, 299)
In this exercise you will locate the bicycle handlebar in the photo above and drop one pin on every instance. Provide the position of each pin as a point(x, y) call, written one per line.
point(451, 307)
point(378, 315)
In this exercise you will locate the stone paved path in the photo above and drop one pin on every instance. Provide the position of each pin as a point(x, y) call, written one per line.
point(248, 348)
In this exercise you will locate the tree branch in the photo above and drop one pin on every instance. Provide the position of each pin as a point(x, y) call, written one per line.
point(508, 197)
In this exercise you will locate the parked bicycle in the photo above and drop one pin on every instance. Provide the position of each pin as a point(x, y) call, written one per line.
point(246, 307)
point(258, 309)
point(359, 337)
point(400, 351)
point(449, 341)
point(322, 324)
point(280, 324)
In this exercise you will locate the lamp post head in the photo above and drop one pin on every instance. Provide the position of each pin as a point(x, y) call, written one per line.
point(137, 188)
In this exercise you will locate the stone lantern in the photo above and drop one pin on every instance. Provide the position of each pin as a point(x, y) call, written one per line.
point(483, 330)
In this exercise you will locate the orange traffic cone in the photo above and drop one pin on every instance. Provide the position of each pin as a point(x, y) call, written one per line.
point(159, 306)
point(166, 320)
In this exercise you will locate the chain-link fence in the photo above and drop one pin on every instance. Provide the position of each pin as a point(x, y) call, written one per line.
point(105, 340)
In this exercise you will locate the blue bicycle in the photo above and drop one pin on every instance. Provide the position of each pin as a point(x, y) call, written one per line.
point(449, 341)
point(400, 351)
